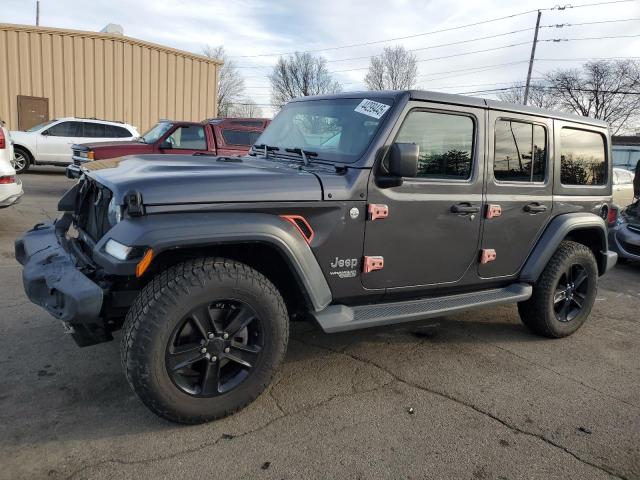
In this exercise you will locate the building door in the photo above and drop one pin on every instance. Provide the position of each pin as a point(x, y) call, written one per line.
point(32, 111)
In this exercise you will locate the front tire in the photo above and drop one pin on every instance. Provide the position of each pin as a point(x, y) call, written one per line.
point(564, 294)
point(203, 339)
point(21, 160)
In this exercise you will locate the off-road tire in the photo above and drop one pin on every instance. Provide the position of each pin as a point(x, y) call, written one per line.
point(159, 307)
point(27, 156)
point(538, 313)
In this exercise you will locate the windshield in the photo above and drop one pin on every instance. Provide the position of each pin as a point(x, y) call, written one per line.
point(153, 135)
point(35, 128)
point(338, 129)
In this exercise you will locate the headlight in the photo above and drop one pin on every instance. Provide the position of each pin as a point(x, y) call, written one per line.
point(117, 250)
point(114, 212)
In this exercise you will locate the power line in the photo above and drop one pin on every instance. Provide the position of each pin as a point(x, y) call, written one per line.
point(562, 25)
point(590, 90)
point(432, 32)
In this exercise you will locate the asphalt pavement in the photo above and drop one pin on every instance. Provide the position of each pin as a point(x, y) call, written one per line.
point(469, 396)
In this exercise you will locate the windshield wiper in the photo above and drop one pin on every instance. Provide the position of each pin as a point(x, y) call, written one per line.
point(266, 149)
point(305, 154)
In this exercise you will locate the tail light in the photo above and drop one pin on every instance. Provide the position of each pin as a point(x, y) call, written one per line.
point(7, 179)
point(612, 216)
point(3, 140)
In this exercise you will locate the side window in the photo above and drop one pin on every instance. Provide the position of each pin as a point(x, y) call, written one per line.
point(582, 157)
point(237, 137)
point(94, 130)
point(120, 132)
point(66, 129)
point(189, 137)
point(520, 152)
point(445, 140)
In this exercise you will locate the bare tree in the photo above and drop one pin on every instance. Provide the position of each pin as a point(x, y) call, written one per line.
point(246, 108)
point(300, 75)
point(539, 96)
point(230, 83)
point(395, 69)
point(607, 90)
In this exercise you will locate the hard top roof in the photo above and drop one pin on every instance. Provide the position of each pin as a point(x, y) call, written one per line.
point(449, 98)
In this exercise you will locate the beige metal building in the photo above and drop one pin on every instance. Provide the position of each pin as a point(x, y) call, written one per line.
point(50, 73)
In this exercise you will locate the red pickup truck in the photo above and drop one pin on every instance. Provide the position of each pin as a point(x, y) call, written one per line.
point(216, 136)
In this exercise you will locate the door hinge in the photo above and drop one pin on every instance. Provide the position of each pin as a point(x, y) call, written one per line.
point(377, 211)
point(371, 264)
point(493, 211)
point(487, 255)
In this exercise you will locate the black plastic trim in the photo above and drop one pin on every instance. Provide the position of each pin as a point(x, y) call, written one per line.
point(556, 232)
point(170, 231)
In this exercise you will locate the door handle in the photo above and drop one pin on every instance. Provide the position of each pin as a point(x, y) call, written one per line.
point(535, 208)
point(464, 208)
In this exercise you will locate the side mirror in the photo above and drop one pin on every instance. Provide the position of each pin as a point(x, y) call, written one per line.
point(403, 159)
point(166, 145)
point(45, 133)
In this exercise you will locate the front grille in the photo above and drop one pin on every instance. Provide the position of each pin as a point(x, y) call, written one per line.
point(92, 205)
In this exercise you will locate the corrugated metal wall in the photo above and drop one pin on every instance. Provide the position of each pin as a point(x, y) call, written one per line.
point(88, 74)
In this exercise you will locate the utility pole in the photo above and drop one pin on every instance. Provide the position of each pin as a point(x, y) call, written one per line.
point(37, 12)
point(533, 56)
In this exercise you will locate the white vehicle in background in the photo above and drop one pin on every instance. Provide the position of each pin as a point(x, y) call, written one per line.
point(50, 143)
point(10, 184)
point(622, 187)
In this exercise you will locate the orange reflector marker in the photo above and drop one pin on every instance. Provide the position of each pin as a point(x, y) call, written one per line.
point(144, 263)
point(301, 225)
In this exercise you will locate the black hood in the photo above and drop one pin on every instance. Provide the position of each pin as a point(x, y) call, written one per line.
point(179, 179)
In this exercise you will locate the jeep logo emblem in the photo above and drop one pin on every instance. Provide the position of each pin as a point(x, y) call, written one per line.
point(344, 263)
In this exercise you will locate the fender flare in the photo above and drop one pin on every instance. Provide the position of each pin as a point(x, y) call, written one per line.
point(165, 232)
point(556, 232)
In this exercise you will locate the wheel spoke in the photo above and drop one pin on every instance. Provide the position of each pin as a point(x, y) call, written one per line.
point(564, 311)
point(580, 278)
point(182, 357)
point(241, 317)
point(211, 379)
point(245, 355)
point(203, 321)
point(559, 296)
point(569, 274)
point(577, 301)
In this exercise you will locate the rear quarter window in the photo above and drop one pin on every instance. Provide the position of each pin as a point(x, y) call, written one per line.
point(583, 159)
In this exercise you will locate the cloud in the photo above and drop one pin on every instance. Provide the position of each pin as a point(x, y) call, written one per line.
point(258, 27)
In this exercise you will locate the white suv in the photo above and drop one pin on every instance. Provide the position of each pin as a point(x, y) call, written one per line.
point(50, 143)
point(10, 184)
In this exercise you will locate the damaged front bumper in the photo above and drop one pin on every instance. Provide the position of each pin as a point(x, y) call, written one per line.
point(53, 278)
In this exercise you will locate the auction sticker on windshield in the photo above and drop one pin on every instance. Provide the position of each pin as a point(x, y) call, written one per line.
point(371, 108)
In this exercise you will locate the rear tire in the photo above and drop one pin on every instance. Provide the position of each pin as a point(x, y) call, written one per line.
point(21, 160)
point(174, 352)
point(564, 294)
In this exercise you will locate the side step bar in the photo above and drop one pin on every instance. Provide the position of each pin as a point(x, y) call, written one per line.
point(340, 318)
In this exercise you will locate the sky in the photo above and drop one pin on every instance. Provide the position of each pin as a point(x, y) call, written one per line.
point(252, 31)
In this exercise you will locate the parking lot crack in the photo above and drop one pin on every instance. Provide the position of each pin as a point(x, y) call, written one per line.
point(222, 437)
point(475, 408)
point(580, 382)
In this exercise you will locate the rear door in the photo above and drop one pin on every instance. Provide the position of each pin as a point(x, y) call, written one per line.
point(431, 234)
point(518, 189)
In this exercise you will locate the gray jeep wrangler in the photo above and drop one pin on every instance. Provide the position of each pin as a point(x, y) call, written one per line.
point(358, 210)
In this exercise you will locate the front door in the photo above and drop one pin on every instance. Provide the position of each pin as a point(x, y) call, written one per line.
point(518, 192)
point(187, 139)
point(431, 234)
point(54, 144)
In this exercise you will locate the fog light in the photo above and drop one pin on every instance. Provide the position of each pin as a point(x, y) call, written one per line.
point(117, 250)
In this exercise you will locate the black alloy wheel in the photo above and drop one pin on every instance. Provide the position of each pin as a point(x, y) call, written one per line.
point(214, 348)
point(571, 293)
